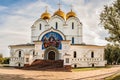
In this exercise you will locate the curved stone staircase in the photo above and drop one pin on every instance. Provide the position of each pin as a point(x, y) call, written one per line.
point(38, 64)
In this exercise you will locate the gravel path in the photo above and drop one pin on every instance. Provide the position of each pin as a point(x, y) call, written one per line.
point(16, 74)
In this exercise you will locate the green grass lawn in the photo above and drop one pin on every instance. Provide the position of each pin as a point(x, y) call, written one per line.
point(88, 69)
point(113, 77)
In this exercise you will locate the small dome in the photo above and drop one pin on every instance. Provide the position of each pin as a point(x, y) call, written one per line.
point(60, 13)
point(46, 15)
point(70, 14)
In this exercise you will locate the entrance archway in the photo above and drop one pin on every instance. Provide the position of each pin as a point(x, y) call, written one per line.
point(51, 55)
point(19, 65)
point(92, 65)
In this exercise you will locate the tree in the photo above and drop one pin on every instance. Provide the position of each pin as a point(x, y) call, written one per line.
point(110, 19)
point(1, 56)
point(108, 53)
point(112, 54)
point(1, 60)
point(6, 61)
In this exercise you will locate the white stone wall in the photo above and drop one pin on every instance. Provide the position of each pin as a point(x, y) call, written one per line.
point(83, 56)
point(59, 20)
point(35, 29)
point(39, 51)
point(83, 52)
point(15, 60)
point(64, 26)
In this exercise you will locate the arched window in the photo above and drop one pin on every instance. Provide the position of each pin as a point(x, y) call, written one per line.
point(19, 53)
point(92, 54)
point(72, 25)
point(19, 65)
point(40, 27)
point(75, 66)
point(27, 59)
point(67, 60)
point(93, 65)
point(56, 25)
point(72, 40)
point(33, 53)
point(75, 54)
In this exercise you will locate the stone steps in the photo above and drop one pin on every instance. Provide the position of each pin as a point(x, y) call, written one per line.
point(45, 65)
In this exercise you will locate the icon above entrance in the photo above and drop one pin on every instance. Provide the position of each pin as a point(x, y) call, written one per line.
point(52, 39)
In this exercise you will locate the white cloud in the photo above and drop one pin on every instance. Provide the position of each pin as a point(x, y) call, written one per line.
point(88, 14)
point(15, 27)
point(2, 8)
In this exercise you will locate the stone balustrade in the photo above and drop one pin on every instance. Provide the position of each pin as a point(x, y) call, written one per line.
point(86, 59)
point(17, 59)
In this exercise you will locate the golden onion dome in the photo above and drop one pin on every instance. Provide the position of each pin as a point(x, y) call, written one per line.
point(60, 13)
point(70, 14)
point(46, 15)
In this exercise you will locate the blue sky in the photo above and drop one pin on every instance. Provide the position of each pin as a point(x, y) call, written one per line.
point(14, 2)
point(17, 17)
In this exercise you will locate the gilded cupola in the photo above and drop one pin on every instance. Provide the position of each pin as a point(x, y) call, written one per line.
point(70, 14)
point(60, 13)
point(46, 15)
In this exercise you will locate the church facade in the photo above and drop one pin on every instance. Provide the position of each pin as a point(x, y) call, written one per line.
point(57, 37)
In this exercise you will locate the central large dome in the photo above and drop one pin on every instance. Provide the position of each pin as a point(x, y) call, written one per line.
point(60, 13)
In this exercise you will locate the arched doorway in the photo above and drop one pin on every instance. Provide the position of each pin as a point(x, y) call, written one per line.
point(75, 66)
point(19, 65)
point(92, 65)
point(51, 55)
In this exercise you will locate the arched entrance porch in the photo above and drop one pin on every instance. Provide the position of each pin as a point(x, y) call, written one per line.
point(51, 53)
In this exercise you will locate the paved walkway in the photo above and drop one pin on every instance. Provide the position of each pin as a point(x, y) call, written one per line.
point(16, 74)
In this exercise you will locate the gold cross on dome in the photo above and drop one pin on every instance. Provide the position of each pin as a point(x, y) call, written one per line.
point(59, 4)
point(71, 6)
point(46, 8)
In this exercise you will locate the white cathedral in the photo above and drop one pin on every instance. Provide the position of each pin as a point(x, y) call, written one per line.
point(57, 37)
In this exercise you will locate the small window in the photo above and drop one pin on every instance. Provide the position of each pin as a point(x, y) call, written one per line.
point(33, 53)
point(27, 59)
point(75, 66)
point(56, 25)
point(98, 59)
point(72, 40)
point(72, 25)
point(75, 54)
point(19, 53)
point(84, 59)
point(93, 65)
point(92, 54)
point(67, 60)
point(40, 27)
point(19, 65)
